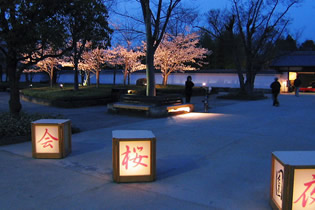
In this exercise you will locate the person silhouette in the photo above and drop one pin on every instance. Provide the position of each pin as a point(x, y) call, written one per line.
point(297, 84)
point(188, 88)
point(275, 89)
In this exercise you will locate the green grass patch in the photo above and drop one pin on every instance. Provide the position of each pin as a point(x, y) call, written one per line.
point(67, 93)
point(178, 89)
point(90, 96)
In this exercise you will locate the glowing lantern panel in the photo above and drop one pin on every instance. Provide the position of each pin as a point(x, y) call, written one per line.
point(133, 155)
point(51, 138)
point(304, 189)
point(47, 139)
point(278, 176)
point(293, 180)
point(134, 158)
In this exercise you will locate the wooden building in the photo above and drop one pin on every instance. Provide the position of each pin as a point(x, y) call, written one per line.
point(300, 63)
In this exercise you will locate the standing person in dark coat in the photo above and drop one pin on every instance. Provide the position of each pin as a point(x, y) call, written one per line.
point(188, 88)
point(297, 84)
point(275, 89)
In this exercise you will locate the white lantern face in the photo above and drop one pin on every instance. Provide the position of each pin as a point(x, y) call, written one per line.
point(46, 139)
point(134, 158)
point(278, 182)
point(304, 189)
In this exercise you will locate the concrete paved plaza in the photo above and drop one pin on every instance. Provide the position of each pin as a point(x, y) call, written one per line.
point(215, 160)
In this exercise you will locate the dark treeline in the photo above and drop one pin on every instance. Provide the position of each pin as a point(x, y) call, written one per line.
point(31, 31)
point(222, 57)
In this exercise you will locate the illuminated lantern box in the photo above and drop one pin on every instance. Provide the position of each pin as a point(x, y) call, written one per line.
point(51, 138)
point(293, 180)
point(134, 157)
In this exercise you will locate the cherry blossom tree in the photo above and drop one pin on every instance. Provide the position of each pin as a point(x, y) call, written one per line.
point(86, 70)
point(94, 60)
point(155, 26)
point(86, 21)
point(128, 58)
point(179, 53)
point(48, 65)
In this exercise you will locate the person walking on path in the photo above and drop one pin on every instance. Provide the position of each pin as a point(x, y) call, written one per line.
point(275, 89)
point(188, 88)
point(297, 84)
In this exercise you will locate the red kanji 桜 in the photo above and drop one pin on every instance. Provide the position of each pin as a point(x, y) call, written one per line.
point(133, 157)
point(47, 139)
point(305, 195)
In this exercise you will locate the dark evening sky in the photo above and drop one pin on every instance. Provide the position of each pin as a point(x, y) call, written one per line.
point(302, 25)
point(303, 16)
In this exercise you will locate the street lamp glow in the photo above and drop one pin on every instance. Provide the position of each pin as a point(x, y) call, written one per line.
point(180, 109)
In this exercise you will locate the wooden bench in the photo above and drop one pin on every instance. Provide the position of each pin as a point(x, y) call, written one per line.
point(131, 106)
point(152, 100)
point(154, 106)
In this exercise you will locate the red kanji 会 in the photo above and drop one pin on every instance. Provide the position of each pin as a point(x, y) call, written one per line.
point(47, 139)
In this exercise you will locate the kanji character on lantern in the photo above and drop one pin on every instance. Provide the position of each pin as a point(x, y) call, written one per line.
point(48, 139)
point(137, 158)
point(51, 138)
point(293, 180)
point(133, 156)
point(304, 197)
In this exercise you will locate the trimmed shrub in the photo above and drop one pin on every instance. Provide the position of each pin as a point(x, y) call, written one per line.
point(15, 130)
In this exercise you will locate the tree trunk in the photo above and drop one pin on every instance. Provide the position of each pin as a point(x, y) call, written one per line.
point(241, 81)
point(250, 76)
point(97, 79)
point(54, 76)
point(150, 72)
point(114, 76)
point(239, 69)
point(31, 77)
point(76, 61)
point(237, 60)
point(150, 91)
point(14, 102)
point(82, 74)
point(250, 80)
point(51, 78)
point(165, 78)
point(76, 79)
point(27, 78)
point(125, 76)
point(88, 78)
